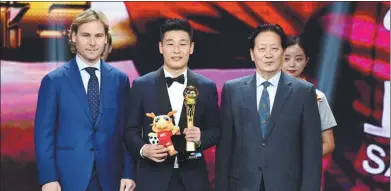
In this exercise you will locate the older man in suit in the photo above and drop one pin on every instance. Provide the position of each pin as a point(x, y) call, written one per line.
point(270, 125)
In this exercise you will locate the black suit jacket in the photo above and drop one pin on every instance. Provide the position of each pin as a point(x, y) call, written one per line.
point(149, 94)
point(288, 157)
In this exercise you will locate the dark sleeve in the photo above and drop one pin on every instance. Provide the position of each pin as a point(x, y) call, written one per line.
point(129, 165)
point(211, 121)
point(224, 146)
point(311, 143)
point(133, 133)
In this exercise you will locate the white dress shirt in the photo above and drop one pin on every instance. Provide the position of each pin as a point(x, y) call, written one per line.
point(272, 89)
point(175, 93)
point(85, 76)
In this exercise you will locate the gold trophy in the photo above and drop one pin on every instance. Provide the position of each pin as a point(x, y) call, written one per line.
point(190, 95)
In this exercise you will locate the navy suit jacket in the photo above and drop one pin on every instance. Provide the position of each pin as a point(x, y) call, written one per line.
point(67, 142)
point(149, 94)
point(288, 157)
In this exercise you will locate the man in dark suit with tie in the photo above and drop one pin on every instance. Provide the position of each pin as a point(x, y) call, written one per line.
point(160, 92)
point(270, 135)
point(80, 117)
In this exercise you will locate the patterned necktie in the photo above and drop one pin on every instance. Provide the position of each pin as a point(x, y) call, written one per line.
point(264, 108)
point(93, 93)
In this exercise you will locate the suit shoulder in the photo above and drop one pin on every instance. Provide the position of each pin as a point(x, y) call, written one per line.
point(56, 73)
point(119, 73)
point(300, 83)
point(146, 78)
point(204, 80)
point(239, 81)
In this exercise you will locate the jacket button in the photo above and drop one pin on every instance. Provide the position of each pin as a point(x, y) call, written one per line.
point(92, 149)
point(263, 144)
point(260, 168)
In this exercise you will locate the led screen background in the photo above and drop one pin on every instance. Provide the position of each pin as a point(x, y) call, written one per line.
point(34, 42)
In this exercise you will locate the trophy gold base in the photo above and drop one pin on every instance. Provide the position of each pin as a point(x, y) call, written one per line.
point(190, 146)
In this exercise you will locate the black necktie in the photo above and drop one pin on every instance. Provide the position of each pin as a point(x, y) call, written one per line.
point(179, 79)
point(93, 92)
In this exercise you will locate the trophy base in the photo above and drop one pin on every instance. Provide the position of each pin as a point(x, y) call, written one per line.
point(194, 155)
point(181, 145)
point(190, 147)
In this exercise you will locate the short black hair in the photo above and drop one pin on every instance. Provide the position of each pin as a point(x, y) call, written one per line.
point(293, 40)
point(268, 27)
point(176, 24)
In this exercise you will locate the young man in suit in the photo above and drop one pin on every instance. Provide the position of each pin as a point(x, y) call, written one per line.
point(80, 117)
point(160, 92)
point(270, 126)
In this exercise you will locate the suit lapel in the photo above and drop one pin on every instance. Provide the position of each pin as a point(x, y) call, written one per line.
point(74, 79)
point(284, 90)
point(105, 86)
point(249, 90)
point(162, 93)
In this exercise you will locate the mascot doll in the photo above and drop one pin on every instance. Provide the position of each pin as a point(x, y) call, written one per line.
point(163, 129)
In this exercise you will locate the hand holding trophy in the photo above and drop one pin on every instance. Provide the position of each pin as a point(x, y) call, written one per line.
point(190, 95)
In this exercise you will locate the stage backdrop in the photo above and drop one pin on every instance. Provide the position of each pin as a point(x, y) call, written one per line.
point(349, 46)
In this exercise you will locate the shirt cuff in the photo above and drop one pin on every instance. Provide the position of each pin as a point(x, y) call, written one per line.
point(141, 151)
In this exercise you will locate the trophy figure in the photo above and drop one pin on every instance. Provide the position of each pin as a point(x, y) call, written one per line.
point(190, 95)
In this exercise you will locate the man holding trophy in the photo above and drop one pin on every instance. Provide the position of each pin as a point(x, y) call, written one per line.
point(176, 96)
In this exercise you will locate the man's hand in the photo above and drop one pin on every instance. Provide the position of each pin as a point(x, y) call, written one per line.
point(157, 153)
point(176, 130)
point(193, 134)
point(51, 186)
point(127, 185)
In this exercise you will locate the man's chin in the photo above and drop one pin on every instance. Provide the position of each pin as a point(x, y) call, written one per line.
point(176, 66)
point(93, 58)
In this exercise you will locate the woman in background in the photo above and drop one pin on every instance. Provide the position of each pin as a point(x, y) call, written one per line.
point(295, 60)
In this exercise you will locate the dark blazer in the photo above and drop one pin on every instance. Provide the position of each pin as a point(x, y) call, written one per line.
point(66, 140)
point(149, 94)
point(290, 155)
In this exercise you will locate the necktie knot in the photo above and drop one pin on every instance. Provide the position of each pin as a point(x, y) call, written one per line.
point(91, 70)
point(266, 84)
point(179, 79)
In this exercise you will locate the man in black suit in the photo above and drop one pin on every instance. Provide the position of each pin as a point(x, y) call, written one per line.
point(160, 92)
point(270, 135)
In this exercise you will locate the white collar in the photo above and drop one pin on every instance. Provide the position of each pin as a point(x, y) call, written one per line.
point(167, 74)
point(273, 81)
point(82, 65)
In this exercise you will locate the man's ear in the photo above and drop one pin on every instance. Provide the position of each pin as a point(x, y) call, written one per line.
point(73, 37)
point(160, 47)
point(251, 54)
point(191, 47)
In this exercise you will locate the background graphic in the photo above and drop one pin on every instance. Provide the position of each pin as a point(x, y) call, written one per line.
point(349, 45)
